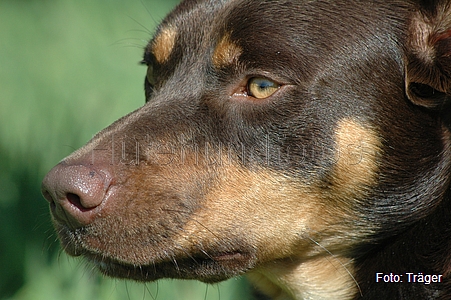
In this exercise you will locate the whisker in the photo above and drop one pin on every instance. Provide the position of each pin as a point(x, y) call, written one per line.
point(146, 288)
point(146, 30)
point(175, 263)
point(150, 13)
point(198, 222)
point(130, 42)
point(344, 267)
point(127, 291)
point(193, 219)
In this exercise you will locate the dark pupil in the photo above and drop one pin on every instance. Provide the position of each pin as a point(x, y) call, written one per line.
point(263, 84)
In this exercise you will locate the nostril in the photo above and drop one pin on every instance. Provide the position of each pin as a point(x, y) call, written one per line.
point(75, 200)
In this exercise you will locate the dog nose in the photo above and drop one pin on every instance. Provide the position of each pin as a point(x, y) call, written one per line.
point(75, 193)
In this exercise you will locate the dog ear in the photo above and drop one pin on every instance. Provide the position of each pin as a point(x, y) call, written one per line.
point(428, 65)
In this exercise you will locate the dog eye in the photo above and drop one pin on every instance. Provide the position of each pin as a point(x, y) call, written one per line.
point(261, 88)
point(150, 80)
point(149, 83)
point(150, 76)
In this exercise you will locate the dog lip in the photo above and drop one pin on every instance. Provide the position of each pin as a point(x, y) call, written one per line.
point(210, 269)
point(227, 256)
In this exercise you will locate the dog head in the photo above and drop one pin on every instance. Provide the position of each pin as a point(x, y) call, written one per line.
point(275, 135)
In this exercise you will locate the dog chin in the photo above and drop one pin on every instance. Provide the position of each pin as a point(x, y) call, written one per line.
point(208, 270)
point(209, 266)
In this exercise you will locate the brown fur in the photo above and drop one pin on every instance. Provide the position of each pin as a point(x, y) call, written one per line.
point(340, 173)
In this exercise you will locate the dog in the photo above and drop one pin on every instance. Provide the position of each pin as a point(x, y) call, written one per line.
point(305, 144)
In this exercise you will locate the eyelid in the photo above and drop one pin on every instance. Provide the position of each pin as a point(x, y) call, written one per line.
point(150, 62)
point(148, 59)
point(150, 80)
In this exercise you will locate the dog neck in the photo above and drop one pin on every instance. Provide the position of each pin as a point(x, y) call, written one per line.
point(324, 277)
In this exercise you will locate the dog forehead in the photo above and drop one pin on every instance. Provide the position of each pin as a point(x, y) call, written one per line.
point(297, 40)
point(279, 17)
point(195, 27)
point(187, 27)
point(267, 30)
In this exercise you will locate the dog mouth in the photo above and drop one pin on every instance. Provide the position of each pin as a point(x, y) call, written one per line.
point(208, 264)
point(209, 269)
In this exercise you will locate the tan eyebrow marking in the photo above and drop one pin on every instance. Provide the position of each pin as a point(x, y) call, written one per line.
point(163, 44)
point(226, 52)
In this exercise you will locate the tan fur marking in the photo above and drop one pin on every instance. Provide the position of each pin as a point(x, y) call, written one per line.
point(163, 44)
point(253, 201)
point(226, 52)
point(326, 277)
point(289, 223)
point(356, 157)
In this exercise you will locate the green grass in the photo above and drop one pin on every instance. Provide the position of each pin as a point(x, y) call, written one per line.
point(68, 68)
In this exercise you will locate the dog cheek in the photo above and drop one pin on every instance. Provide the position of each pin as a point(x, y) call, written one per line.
point(281, 215)
point(357, 151)
point(261, 208)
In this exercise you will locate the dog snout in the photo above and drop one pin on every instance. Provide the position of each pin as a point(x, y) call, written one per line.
point(76, 193)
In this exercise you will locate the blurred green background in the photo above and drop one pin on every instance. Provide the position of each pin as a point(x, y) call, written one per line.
point(68, 68)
